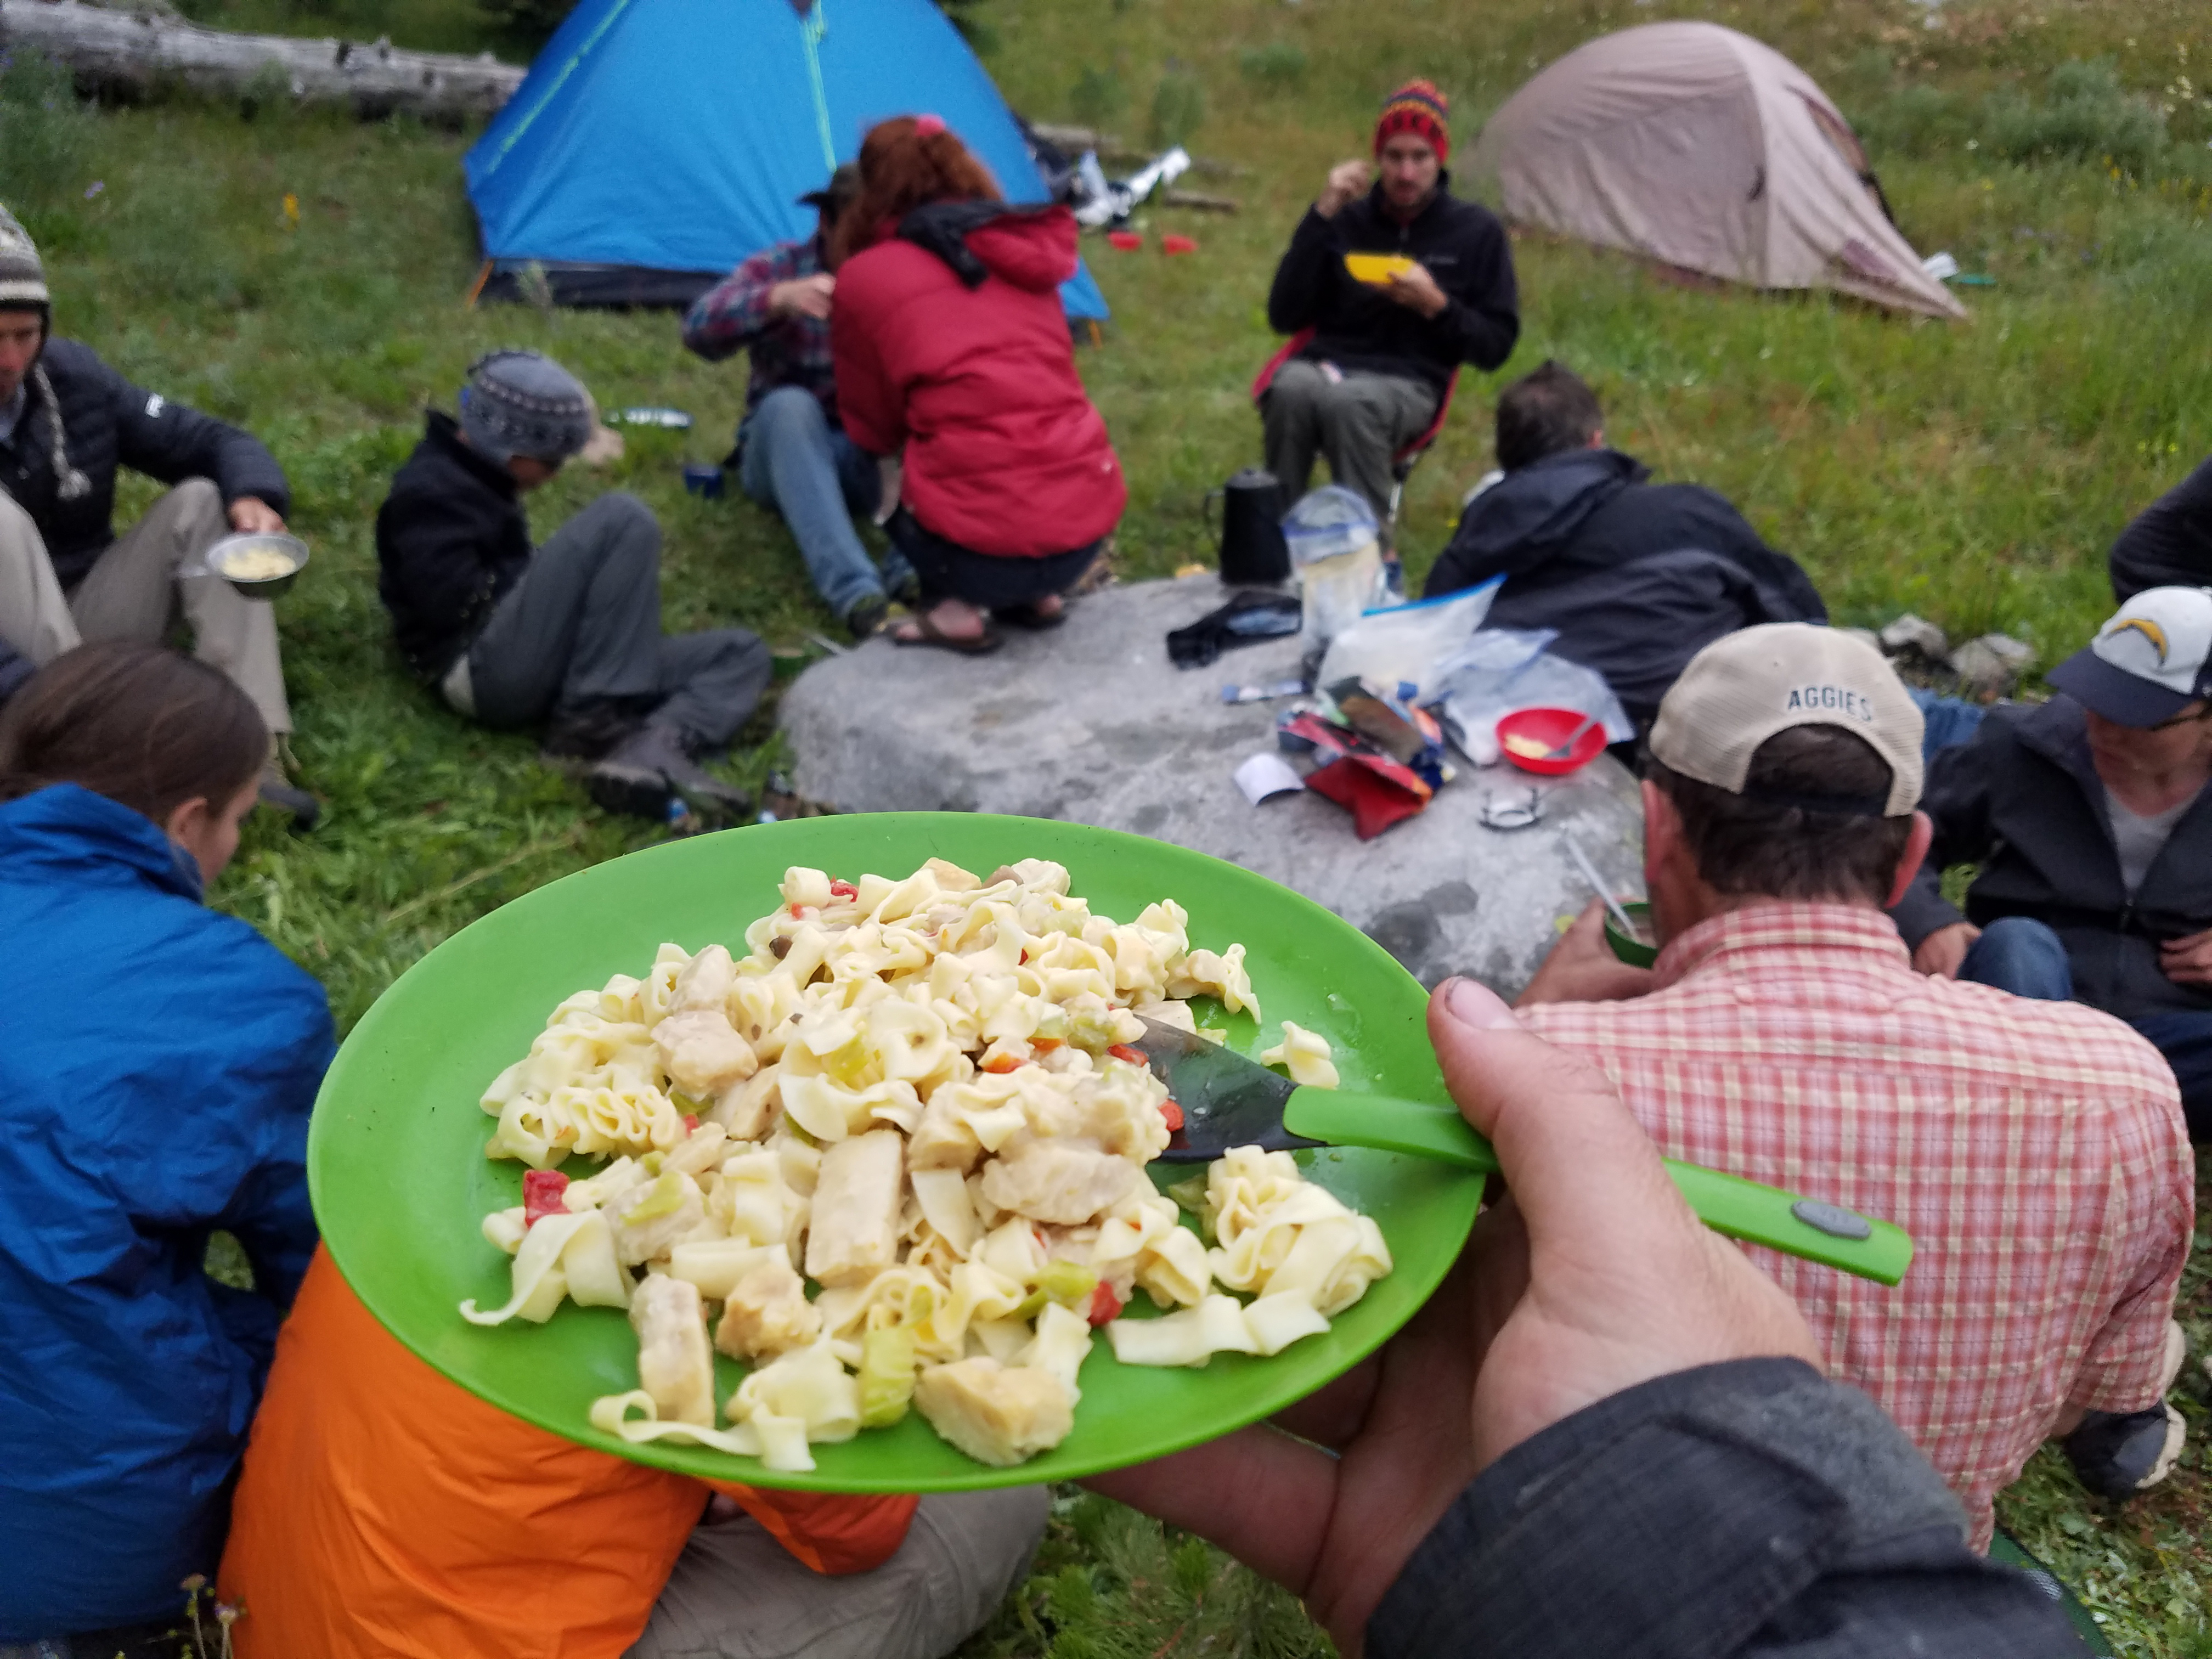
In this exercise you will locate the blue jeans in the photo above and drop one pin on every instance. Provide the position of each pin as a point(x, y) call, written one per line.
point(1950, 721)
point(820, 480)
point(2025, 957)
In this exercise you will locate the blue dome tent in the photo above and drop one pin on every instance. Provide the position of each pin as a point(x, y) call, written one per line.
point(655, 144)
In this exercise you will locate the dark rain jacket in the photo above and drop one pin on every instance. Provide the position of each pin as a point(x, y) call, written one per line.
point(2170, 543)
point(1357, 326)
point(1751, 1509)
point(450, 540)
point(1638, 578)
point(109, 423)
point(157, 1063)
point(2024, 796)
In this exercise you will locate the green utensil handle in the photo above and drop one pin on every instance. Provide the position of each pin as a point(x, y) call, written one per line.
point(1730, 1204)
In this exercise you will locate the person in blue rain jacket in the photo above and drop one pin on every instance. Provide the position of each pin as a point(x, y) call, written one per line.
point(157, 1064)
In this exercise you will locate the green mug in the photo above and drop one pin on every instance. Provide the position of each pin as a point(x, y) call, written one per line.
point(1633, 952)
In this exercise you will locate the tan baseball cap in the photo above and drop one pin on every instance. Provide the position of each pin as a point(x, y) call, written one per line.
point(1745, 687)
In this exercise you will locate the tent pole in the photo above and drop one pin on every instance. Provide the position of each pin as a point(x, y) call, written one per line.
point(476, 288)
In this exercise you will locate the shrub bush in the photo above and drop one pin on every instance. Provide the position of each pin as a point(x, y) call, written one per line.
point(2089, 117)
point(46, 133)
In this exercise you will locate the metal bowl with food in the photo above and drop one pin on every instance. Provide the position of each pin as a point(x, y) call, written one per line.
point(260, 564)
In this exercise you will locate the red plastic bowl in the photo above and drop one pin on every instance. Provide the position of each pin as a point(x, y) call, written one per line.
point(1128, 240)
point(1550, 727)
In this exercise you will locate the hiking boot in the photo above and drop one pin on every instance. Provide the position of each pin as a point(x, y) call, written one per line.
point(589, 730)
point(866, 617)
point(278, 790)
point(2119, 1454)
point(649, 775)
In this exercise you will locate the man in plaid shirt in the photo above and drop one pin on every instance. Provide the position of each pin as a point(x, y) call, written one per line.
point(792, 454)
point(2035, 1151)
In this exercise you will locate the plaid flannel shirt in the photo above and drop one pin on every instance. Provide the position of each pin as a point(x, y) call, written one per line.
point(2035, 1151)
point(733, 316)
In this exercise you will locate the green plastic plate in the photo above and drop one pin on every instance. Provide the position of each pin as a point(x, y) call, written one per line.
point(396, 1165)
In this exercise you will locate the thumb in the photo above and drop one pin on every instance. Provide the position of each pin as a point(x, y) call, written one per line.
point(1579, 1166)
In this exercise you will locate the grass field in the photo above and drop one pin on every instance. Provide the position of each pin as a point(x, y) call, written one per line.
point(1973, 473)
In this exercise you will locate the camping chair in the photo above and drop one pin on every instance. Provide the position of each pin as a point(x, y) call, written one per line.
point(1405, 459)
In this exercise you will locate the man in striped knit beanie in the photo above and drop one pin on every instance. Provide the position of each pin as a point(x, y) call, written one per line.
point(1372, 360)
point(67, 423)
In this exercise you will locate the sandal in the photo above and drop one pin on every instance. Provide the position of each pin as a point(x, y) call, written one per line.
point(926, 632)
point(1028, 616)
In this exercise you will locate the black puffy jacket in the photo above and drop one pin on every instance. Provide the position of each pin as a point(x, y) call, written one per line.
point(1355, 326)
point(2024, 796)
point(1637, 578)
point(109, 423)
point(450, 540)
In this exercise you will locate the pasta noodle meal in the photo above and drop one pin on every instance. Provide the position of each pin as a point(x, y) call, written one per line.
point(915, 1096)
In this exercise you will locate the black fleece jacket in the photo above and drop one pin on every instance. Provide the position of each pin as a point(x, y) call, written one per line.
point(1356, 326)
point(2024, 796)
point(2170, 543)
point(1637, 578)
point(450, 540)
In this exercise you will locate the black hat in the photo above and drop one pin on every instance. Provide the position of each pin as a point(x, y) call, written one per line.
point(839, 193)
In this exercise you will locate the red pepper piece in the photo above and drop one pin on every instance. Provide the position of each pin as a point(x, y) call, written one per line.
point(1122, 1051)
point(1045, 1045)
point(690, 1123)
point(1001, 1063)
point(541, 1195)
point(796, 908)
point(1172, 1115)
point(843, 889)
point(1105, 1306)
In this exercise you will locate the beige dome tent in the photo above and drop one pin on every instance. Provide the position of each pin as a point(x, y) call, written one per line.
point(1694, 145)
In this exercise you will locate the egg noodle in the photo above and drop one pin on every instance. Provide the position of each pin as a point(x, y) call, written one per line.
point(917, 1096)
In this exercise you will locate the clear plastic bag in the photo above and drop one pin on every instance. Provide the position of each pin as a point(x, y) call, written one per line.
point(1408, 644)
point(1335, 549)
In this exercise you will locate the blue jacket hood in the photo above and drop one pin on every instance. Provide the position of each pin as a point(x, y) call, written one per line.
point(70, 834)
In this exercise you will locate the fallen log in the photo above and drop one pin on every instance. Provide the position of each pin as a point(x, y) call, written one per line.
point(1198, 200)
point(1076, 140)
point(133, 54)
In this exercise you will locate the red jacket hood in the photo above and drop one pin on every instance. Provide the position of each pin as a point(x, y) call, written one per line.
point(1031, 247)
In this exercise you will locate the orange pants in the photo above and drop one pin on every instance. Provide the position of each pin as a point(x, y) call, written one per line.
point(387, 1511)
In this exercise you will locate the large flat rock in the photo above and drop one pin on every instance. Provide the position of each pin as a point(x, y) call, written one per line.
point(1091, 723)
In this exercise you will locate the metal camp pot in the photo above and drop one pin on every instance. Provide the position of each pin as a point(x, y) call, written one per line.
point(1253, 551)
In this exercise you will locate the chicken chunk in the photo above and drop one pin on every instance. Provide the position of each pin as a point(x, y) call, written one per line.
point(767, 1313)
point(853, 1232)
point(674, 1364)
point(703, 1052)
point(654, 1215)
point(1054, 1181)
point(997, 1415)
point(704, 984)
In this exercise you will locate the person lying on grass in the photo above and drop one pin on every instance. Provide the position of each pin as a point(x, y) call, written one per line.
point(2035, 1152)
point(1634, 576)
point(568, 634)
point(1607, 1433)
point(2090, 818)
point(386, 1513)
point(1382, 356)
point(68, 423)
point(793, 453)
point(157, 1063)
point(953, 353)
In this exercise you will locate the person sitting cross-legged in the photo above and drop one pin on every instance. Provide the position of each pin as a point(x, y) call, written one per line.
point(2090, 818)
point(1369, 381)
point(568, 634)
point(68, 423)
point(792, 452)
point(2035, 1151)
point(1636, 577)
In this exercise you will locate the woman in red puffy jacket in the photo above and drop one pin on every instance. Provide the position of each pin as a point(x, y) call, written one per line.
point(953, 353)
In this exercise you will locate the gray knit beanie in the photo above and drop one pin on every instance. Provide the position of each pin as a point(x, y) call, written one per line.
point(22, 274)
point(523, 403)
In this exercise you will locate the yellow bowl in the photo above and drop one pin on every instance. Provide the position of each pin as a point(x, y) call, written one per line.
point(1375, 268)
